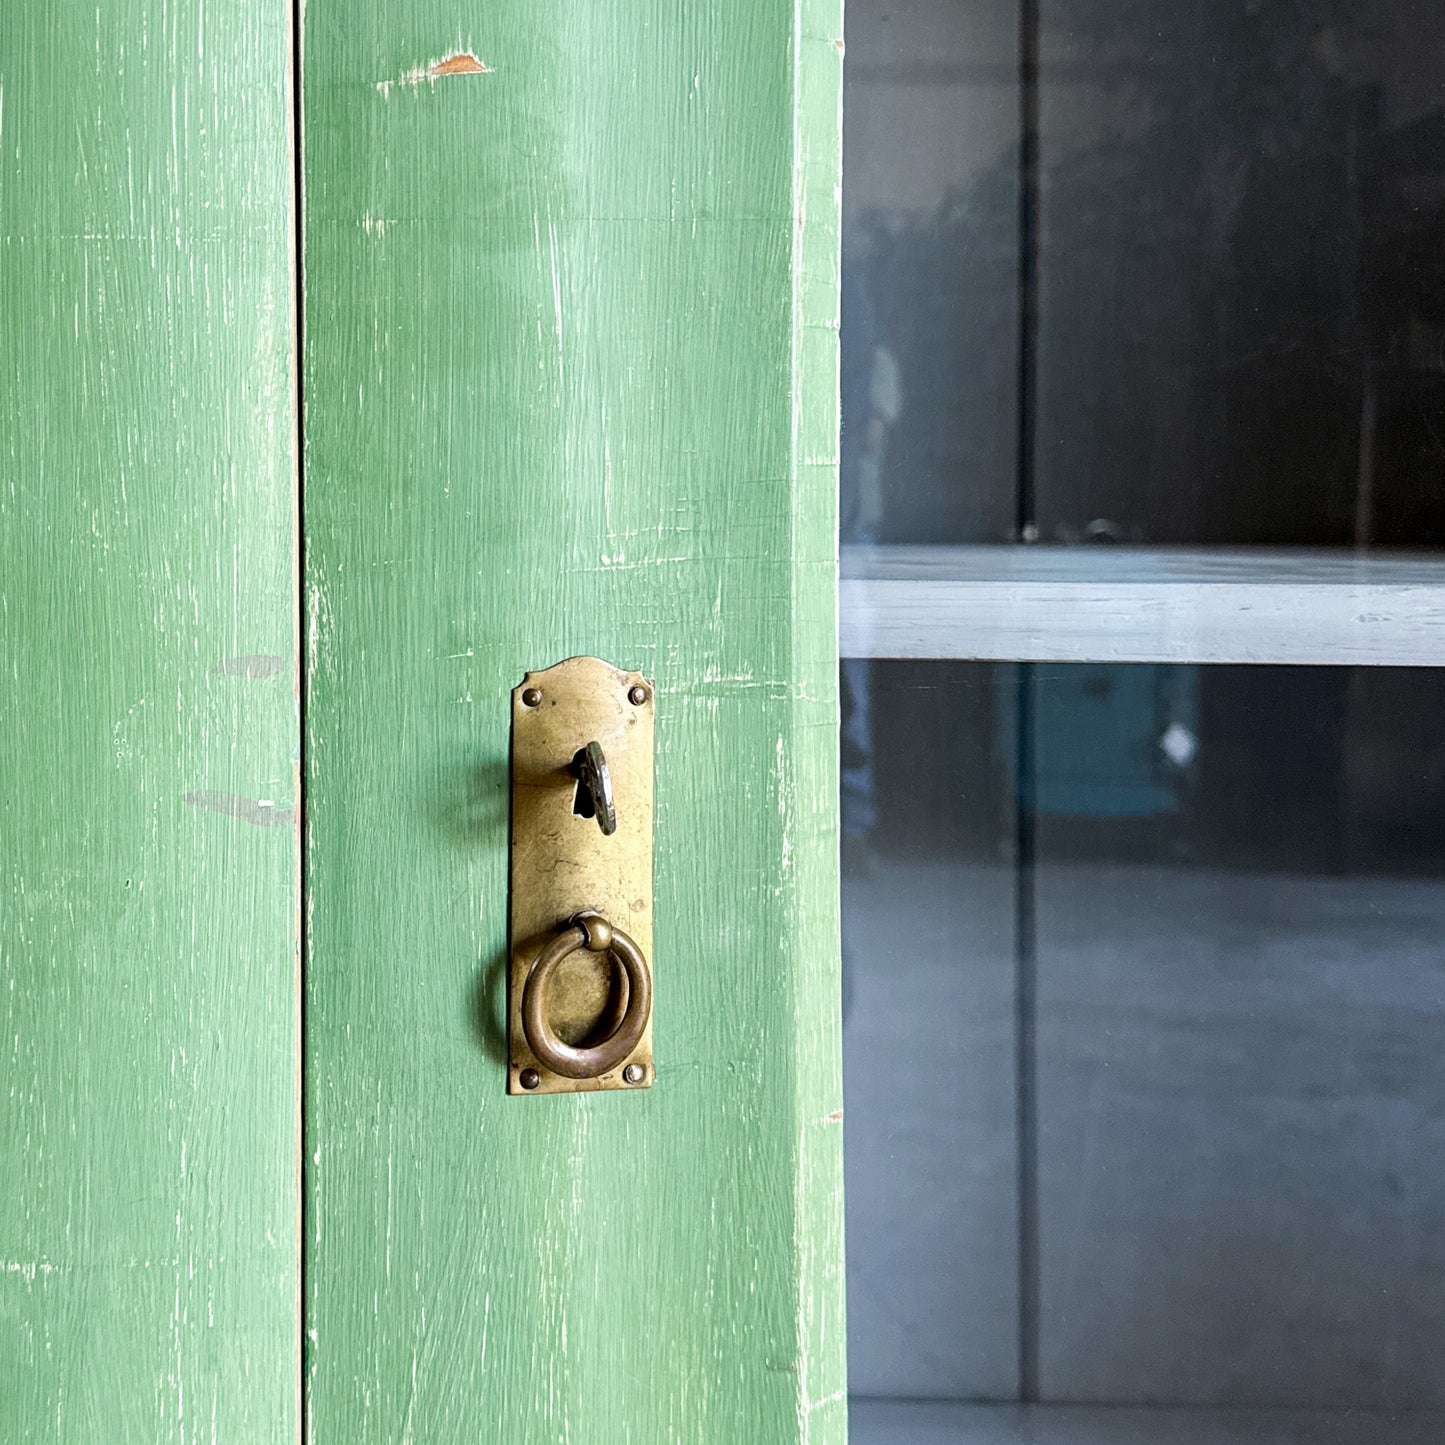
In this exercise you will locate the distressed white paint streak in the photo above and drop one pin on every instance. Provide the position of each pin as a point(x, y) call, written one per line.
point(785, 810)
point(254, 666)
point(556, 300)
point(28, 1272)
point(258, 812)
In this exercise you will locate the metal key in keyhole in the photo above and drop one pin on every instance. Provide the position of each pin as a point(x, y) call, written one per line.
point(594, 788)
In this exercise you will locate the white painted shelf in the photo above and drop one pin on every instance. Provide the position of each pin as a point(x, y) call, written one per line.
point(1126, 604)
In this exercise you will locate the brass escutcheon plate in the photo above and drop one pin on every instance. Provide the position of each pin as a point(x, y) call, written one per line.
point(563, 864)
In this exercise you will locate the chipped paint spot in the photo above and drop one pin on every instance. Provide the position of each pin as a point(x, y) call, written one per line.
point(253, 665)
point(462, 63)
point(836, 1117)
point(459, 62)
point(259, 812)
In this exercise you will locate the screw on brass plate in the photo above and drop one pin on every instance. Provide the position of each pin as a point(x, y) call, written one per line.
point(529, 1078)
point(532, 697)
point(637, 696)
point(634, 1073)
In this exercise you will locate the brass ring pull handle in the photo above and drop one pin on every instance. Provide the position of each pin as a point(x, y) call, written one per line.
point(591, 931)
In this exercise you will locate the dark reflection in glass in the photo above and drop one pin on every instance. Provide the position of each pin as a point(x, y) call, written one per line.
point(1233, 918)
point(1242, 271)
point(1238, 272)
point(930, 271)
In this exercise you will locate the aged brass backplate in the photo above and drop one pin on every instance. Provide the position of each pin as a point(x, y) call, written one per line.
point(563, 864)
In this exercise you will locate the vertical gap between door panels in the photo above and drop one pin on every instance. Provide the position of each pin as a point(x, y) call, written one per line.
point(1026, 520)
point(293, 24)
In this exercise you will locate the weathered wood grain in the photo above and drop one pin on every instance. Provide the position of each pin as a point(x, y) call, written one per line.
point(148, 1182)
point(571, 388)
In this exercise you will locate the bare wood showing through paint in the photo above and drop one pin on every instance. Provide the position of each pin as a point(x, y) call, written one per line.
point(571, 387)
point(148, 1140)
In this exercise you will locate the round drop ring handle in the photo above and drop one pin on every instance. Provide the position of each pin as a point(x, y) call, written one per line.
point(593, 932)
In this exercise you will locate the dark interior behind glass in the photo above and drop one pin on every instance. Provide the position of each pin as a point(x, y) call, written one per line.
point(1145, 964)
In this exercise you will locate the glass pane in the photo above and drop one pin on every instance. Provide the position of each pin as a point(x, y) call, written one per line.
point(928, 967)
point(1143, 1020)
point(1142, 272)
point(930, 271)
point(1242, 270)
point(1240, 955)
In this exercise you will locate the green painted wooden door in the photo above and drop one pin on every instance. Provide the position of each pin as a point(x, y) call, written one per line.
point(570, 382)
point(569, 281)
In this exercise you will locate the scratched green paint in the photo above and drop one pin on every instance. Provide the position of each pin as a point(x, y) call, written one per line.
point(570, 379)
point(148, 1138)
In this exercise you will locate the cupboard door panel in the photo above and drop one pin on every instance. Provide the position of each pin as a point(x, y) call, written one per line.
point(571, 301)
